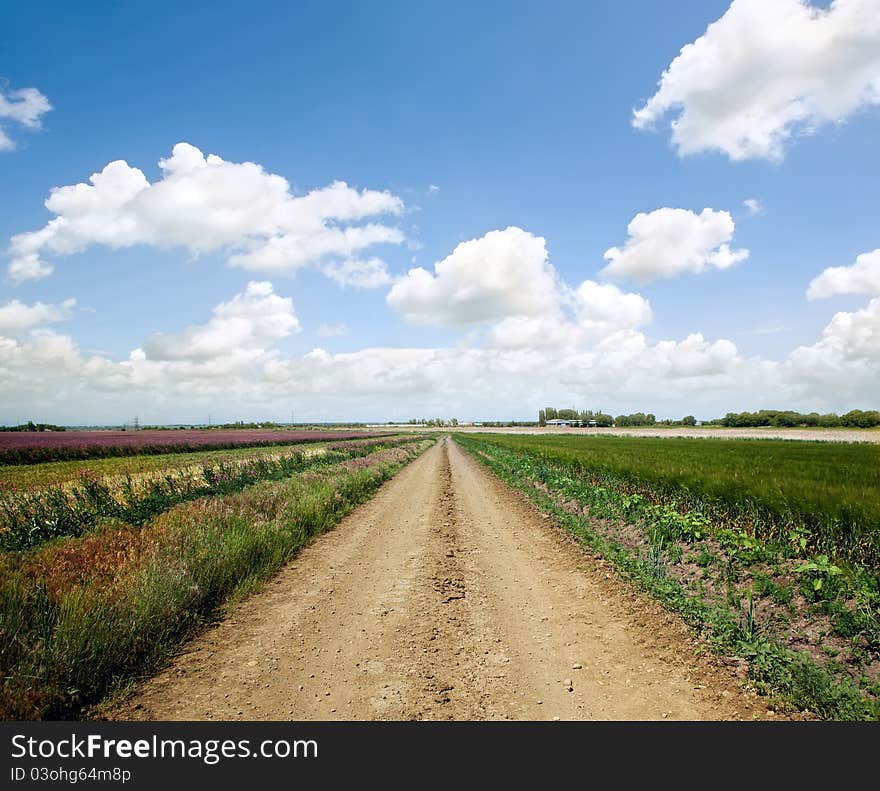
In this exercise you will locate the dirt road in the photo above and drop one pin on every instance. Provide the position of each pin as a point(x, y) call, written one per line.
point(446, 596)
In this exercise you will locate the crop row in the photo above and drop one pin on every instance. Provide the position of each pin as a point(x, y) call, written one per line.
point(83, 616)
point(28, 518)
point(22, 477)
point(38, 447)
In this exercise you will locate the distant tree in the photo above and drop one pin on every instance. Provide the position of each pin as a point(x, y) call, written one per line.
point(542, 417)
point(689, 420)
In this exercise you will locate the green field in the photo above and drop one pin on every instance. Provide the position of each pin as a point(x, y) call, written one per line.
point(831, 490)
point(767, 548)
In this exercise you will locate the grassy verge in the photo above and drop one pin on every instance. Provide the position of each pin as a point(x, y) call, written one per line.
point(80, 617)
point(808, 627)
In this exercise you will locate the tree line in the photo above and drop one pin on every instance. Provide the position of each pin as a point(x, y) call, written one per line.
point(855, 418)
point(773, 418)
point(31, 426)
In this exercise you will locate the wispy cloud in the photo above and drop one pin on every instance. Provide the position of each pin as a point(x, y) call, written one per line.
point(754, 206)
point(333, 330)
point(24, 108)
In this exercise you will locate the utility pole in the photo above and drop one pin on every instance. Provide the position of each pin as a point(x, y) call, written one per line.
point(292, 421)
point(136, 424)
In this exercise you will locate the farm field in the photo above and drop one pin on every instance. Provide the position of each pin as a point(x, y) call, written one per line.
point(769, 548)
point(700, 432)
point(84, 611)
point(497, 576)
point(34, 447)
point(830, 491)
point(30, 515)
point(22, 477)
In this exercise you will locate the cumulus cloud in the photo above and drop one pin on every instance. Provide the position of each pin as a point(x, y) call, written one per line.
point(585, 345)
point(622, 371)
point(504, 273)
point(668, 242)
point(534, 332)
point(25, 108)
point(863, 277)
point(16, 317)
point(845, 362)
point(603, 309)
point(248, 324)
point(205, 204)
point(768, 70)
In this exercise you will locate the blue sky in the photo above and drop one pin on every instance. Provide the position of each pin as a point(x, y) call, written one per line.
point(519, 115)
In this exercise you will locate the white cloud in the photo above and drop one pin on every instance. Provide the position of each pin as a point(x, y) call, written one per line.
point(534, 332)
point(845, 363)
point(16, 317)
point(863, 277)
point(592, 313)
point(754, 206)
point(205, 204)
point(668, 242)
point(360, 274)
point(585, 346)
point(246, 325)
point(504, 273)
point(46, 373)
point(29, 267)
point(333, 330)
point(24, 107)
point(603, 309)
point(768, 70)
point(433, 189)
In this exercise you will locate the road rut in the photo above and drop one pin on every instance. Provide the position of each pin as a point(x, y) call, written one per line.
point(446, 596)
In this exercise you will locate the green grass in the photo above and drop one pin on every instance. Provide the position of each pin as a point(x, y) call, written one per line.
point(829, 491)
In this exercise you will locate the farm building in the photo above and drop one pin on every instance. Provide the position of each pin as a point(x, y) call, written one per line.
point(571, 423)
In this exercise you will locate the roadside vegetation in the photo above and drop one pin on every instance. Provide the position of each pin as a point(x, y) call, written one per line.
point(82, 616)
point(768, 548)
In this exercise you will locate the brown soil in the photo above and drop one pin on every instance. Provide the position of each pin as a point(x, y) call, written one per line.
point(447, 596)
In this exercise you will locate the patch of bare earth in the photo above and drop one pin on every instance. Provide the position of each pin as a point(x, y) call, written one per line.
point(447, 596)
